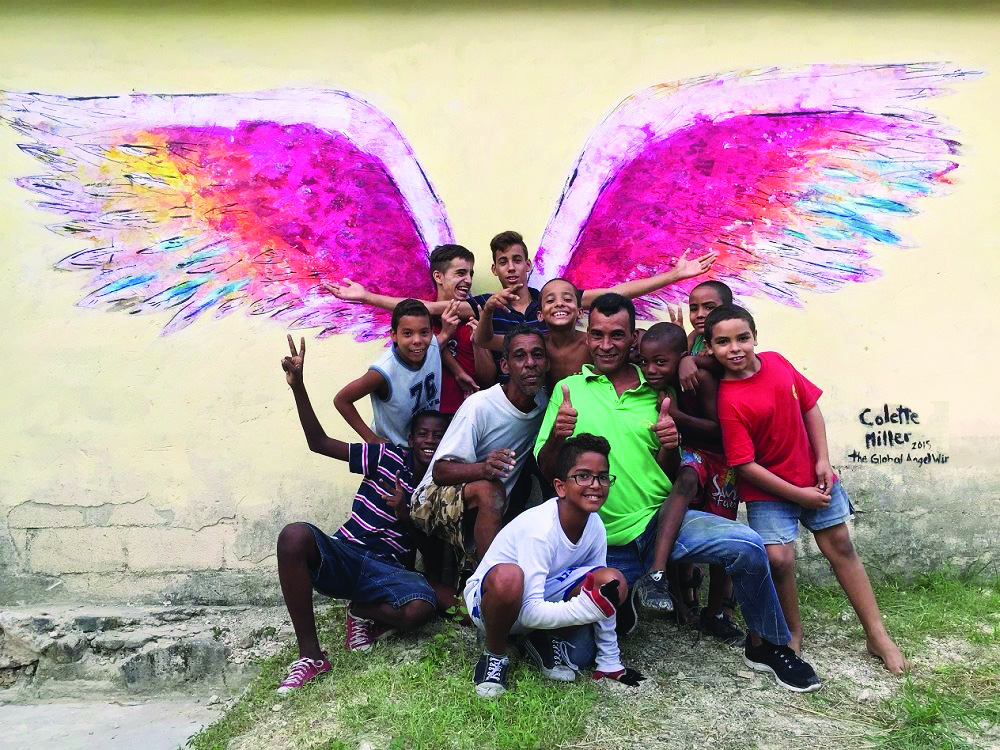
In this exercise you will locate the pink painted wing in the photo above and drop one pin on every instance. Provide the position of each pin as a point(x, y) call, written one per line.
point(206, 204)
point(791, 176)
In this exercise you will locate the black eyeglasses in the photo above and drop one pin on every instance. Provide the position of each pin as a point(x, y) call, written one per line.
point(584, 479)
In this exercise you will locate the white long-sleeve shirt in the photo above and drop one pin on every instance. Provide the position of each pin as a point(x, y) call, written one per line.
point(535, 542)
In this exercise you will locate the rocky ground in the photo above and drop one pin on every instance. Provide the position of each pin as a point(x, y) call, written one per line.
point(66, 651)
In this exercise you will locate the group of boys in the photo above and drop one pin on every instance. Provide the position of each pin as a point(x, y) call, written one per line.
point(646, 464)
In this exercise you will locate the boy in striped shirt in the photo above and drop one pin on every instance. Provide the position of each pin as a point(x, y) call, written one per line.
point(369, 559)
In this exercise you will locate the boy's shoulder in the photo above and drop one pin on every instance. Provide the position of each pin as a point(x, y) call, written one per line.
point(774, 357)
point(534, 523)
point(367, 457)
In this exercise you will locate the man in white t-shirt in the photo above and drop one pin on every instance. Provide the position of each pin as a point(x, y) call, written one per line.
point(487, 443)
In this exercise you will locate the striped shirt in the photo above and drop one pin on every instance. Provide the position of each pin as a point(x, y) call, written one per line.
point(504, 319)
point(373, 523)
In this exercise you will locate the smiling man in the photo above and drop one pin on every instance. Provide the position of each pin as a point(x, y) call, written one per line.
point(611, 398)
point(482, 453)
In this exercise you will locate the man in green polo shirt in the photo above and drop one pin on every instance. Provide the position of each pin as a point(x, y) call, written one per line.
point(612, 399)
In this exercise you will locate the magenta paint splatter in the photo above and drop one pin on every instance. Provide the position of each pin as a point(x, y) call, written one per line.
point(791, 176)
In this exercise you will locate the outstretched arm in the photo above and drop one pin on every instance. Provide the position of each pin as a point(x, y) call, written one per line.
point(316, 437)
point(685, 268)
point(371, 382)
point(351, 291)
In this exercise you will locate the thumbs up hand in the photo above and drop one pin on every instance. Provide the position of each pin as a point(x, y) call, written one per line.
point(565, 418)
point(665, 427)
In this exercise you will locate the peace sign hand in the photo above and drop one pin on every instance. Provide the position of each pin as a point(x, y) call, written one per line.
point(293, 365)
point(394, 499)
point(676, 315)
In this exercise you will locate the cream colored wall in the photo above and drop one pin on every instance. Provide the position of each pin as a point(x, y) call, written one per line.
point(135, 465)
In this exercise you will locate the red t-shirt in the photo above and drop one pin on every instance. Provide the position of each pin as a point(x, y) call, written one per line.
point(761, 419)
point(460, 346)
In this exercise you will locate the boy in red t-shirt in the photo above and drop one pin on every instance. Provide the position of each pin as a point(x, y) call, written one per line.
point(774, 435)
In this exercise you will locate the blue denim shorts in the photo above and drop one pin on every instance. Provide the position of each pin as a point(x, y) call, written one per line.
point(778, 522)
point(349, 571)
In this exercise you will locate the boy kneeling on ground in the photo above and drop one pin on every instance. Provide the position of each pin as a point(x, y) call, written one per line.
point(369, 560)
point(546, 570)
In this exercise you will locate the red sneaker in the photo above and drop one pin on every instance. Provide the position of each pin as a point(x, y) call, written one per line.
point(301, 672)
point(362, 634)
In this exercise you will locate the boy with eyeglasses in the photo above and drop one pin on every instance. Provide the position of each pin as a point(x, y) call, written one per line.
point(546, 571)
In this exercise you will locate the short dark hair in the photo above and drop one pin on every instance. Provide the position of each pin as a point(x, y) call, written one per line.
point(408, 307)
point(611, 303)
point(427, 414)
point(724, 292)
point(670, 334)
point(443, 255)
point(559, 278)
point(520, 330)
point(727, 312)
point(574, 447)
point(507, 239)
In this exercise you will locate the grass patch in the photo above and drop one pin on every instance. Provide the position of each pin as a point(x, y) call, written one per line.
point(416, 692)
point(949, 709)
point(405, 695)
point(940, 707)
point(943, 603)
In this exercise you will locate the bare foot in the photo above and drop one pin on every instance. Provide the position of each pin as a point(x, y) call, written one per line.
point(890, 655)
point(796, 645)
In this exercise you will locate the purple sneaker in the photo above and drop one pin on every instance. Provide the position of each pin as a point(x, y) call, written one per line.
point(361, 634)
point(301, 672)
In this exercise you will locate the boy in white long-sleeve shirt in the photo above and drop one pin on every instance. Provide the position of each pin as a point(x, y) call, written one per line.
point(546, 570)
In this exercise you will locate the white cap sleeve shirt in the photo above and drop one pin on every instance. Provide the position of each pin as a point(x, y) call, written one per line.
point(410, 390)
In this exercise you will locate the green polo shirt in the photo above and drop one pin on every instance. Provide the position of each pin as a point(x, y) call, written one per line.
point(627, 424)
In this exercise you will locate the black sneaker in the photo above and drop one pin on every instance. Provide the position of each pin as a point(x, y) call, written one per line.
point(654, 592)
point(721, 627)
point(627, 618)
point(491, 675)
point(551, 654)
point(788, 669)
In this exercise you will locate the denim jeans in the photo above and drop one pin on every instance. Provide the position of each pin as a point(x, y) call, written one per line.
point(778, 522)
point(707, 538)
point(349, 571)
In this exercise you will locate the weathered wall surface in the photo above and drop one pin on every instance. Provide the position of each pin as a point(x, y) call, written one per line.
point(140, 467)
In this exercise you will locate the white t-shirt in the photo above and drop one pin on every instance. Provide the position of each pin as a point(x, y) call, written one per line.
point(410, 390)
point(535, 542)
point(485, 422)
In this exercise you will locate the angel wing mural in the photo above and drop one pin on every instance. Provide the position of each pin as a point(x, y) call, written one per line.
point(204, 204)
point(194, 204)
